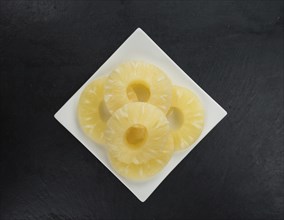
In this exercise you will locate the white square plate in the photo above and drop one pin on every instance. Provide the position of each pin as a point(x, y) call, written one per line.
point(139, 46)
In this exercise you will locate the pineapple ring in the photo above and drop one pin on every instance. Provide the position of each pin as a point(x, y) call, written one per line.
point(92, 112)
point(138, 81)
point(137, 133)
point(146, 170)
point(186, 117)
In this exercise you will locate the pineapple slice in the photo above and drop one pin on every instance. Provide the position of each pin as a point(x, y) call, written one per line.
point(186, 117)
point(138, 81)
point(92, 111)
point(137, 133)
point(143, 171)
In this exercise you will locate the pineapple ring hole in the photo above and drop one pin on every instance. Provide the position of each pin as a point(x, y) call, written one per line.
point(136, 135)
point(138, 92)
point(175, 118)
point(103, 111)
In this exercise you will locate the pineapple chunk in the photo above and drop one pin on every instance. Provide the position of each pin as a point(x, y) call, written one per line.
point(92, 111)
point(138, 82)
point(186, 117)
point(143, 171)
point(137, 133)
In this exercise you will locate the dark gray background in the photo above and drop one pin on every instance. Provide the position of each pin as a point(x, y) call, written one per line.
point(232, 49)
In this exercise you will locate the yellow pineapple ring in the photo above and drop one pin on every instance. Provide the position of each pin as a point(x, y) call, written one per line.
point(145, 170)
point(186, 117)
point(136, 133)
point(138, 81)
point(92, 112)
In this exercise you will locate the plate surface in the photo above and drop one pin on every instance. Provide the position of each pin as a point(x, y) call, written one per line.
point(139, 46)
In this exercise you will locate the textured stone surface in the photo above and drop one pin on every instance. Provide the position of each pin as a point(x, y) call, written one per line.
point(232, 49)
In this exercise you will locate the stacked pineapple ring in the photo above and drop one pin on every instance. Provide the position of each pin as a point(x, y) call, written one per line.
point(140, 117)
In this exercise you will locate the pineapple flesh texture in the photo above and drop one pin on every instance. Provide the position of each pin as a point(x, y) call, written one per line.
point(186, 117)
point(144, 171)
point(92, 111)
point(137, 133)
point(138, 82)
